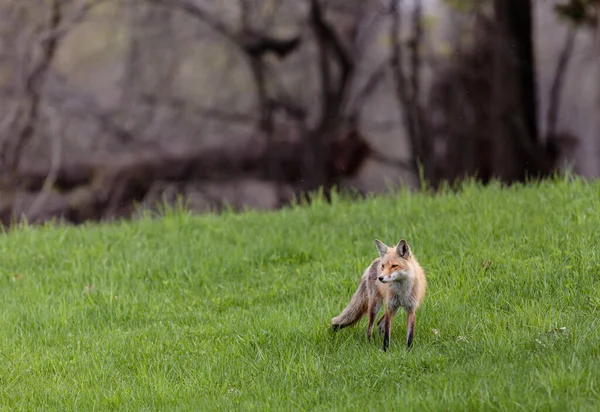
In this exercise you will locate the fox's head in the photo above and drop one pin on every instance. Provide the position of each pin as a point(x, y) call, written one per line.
point(395, 261)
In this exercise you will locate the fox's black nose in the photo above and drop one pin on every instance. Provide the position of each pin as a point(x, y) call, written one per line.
point(380, 278)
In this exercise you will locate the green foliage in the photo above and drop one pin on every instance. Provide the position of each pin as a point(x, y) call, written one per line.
point(582, 13)
point(232, 313)
point(579, 12)
point(466, 6)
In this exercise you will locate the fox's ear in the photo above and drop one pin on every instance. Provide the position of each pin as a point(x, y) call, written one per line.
point(403, 249)
point(381, 247)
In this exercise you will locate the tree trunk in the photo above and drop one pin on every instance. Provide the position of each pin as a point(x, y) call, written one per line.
point(516, 149)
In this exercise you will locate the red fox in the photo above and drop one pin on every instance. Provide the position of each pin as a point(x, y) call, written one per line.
point(395, 276)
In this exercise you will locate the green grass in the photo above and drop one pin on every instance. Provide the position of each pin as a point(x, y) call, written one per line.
point(233, 312)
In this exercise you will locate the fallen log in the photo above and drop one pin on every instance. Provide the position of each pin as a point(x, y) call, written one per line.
point(101, 187)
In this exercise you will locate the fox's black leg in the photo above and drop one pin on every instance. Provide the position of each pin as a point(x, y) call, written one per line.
point(410, 329)
point(387, 329)
point(387, 326)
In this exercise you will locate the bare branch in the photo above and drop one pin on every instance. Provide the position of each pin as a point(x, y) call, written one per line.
point(364, 25)
point(55, 132)
point(415, 55)
point(257, 44)
point(252, 42)
point(22, 123)
point(33, 83)
point(196, 11)
point(402, 85)
point(330, 38)
point(376, 77)
point(245, 21)
point(558, 81)
point(408, 84)
point(333, 93)
point(67, 23)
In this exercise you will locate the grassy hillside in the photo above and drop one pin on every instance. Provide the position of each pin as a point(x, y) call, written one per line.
point(233, 312)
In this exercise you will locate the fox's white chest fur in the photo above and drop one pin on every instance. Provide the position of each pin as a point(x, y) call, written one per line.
point(400, 294)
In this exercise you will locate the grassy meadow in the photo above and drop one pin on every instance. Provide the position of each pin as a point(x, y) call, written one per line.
point(232, 312)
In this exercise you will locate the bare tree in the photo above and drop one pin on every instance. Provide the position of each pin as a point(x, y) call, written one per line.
point(294, 92)
point(515, 142)
point(407, 78)
point(328, 143)
point(36, 48)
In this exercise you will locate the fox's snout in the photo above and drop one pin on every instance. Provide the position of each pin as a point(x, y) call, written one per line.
point(397, 275)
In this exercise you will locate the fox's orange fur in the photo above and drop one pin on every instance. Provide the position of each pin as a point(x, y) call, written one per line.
point(395, 277)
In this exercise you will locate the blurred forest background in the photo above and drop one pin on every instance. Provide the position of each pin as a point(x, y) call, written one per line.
point(109, 104)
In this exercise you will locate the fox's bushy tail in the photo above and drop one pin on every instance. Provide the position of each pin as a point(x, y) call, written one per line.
point(355, 310)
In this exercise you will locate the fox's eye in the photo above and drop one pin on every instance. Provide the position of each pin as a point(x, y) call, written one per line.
point(382, 267)
point(394, 266)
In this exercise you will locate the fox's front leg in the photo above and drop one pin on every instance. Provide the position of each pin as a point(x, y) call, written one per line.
point(387, 327)
point(411, 319)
